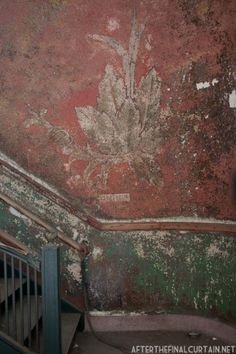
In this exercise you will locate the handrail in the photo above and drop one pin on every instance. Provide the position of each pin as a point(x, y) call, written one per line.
point(81, 248)
point(201, 225)
point(31, 259)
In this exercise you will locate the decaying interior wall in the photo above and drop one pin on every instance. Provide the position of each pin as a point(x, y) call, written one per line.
point(147, 271)
point(128, 109)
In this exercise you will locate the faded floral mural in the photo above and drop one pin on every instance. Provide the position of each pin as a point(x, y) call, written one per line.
point(124, 124)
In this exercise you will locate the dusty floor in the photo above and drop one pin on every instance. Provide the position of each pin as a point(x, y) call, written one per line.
point(85, 343)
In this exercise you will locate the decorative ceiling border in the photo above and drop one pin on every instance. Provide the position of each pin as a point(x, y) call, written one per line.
point(177, 223)
point(173, 223)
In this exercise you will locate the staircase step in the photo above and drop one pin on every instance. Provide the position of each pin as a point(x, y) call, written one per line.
point(9, 288)
point(69, 323)
point(19, 324)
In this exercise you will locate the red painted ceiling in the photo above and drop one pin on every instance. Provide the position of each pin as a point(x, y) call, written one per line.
point(124, 106)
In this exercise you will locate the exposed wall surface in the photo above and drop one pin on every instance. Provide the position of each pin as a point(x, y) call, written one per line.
point(128, 107)
point(158, 271)
point(147, 271)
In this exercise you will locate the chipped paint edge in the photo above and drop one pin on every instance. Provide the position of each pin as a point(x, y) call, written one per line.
point(19, 168)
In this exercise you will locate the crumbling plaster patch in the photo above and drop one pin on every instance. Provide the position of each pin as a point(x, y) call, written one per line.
point(232, 99)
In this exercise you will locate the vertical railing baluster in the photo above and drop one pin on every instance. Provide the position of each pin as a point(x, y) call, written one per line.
point(28, 303)
point(51, 300)
point(13, 297)
point(6, 294)
point(19, 324)
point(22, 320)
point(36, 308)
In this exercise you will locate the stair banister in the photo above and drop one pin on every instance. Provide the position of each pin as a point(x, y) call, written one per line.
point(51, 299)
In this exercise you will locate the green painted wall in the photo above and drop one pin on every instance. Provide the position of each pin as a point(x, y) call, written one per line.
point(177, 272)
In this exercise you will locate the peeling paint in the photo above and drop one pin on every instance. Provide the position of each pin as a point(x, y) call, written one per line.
point(75, 234)
point(232, 99)
point(97, 253)
point(75, 271)
point(18, 214)
point(74, 266)
point(203, 85)
point(213, 250)
point(185, 118)
point(214, 82)
point(139, 249)
point(113, 25)
point(12, 163)
point(206, 84)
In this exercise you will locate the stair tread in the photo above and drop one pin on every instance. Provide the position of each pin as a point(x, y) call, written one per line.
point(69, 323)
point(9, 288)
point(34, 320)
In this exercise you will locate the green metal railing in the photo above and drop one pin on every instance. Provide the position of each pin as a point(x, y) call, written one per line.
point(30, 299)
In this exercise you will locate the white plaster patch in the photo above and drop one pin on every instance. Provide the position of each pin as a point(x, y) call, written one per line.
point(203, 85)
point(74, 267)
point(206, 299)
point(16, 213)
point(206, 84)
point(213, 250)
point(232, 99)
point(139, 250)
point(170, 252)
point(214, 82)
point(75, 270)
point(67, 167)
point(113, 25)
point(75, 234)
point(73, 181)
point(97, 253)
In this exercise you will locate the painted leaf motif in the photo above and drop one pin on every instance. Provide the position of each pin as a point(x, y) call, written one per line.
point(147, 169)
point(98, 127)
point(150, 140)
point(111, 95)
point(128, 116)
point(148, 99)
point(128, 120)
point(124, 125)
